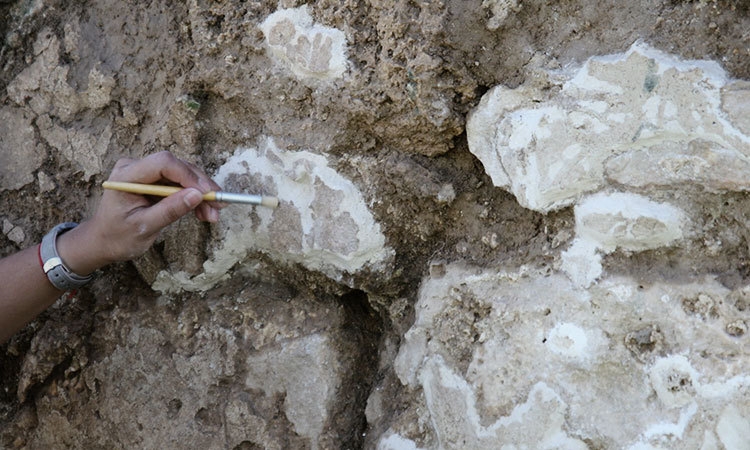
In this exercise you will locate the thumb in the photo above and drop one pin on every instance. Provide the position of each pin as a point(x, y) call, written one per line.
point(171, 208)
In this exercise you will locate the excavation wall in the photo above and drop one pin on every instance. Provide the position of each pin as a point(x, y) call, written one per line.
point(502, 224)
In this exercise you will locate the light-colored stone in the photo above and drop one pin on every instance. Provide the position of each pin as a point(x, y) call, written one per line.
point(14, 233)
point(44, 89)
point(606, 222)
point(642, 119)
point(309, 50)
point(734, 428)
point(99, 89)
point(395, 441)
point(735, 101)
point(306, 372)
point(43, 85)
point(500, 10)
point(78, 146)
point(322, 221)
point(715, 167)
point(545, 364)
point(452, 406)
point(446, 194)
point(46, 183)
point(559, 355)
point(20, 155)
point(628, 221)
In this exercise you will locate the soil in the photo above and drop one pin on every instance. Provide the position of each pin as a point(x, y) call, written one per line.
point(194, 78)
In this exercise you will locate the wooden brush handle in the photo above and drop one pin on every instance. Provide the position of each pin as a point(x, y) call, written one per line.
point(150, 189)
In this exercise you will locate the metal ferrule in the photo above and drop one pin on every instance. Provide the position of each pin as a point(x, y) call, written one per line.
point(229, 197)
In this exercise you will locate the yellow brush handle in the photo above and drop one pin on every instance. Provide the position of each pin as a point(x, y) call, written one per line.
point(150, 189)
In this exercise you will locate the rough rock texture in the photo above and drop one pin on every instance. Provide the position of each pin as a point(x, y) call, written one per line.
point(503, 224)
point(642, 120)
point(522, 358)
point(322, 221)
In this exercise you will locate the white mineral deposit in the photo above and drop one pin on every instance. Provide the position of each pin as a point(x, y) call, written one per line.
point(322, 221)
point(643, 119)
point(308, 49)
point(502, 224)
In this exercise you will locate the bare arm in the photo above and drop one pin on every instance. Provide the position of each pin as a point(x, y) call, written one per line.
point(25, 293)
point(124, 227)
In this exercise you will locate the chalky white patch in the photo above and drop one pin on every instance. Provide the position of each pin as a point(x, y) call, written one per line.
point(568, 340)
point(322, 221)
point(548, 359)
point(606, 222)
point(451, 401)
point(674, 380)
point(309, 50)
point(396, 442)
point(643, 119)
point(734, 428)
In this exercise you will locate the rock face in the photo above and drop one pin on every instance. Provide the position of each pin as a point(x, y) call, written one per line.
point(641, 119)
point(502, 224)
point(308, 50)
point(322, 221)
point(641, 122)
point(523, 358)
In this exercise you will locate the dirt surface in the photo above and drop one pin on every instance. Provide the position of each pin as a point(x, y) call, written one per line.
point(120, 366)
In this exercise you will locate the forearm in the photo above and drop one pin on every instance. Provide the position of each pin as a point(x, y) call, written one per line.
point(124, 227)
point(25, 291)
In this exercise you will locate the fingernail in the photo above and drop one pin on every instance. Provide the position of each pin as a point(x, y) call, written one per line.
point(193, 198)
point(213, 215)
point(204, 185)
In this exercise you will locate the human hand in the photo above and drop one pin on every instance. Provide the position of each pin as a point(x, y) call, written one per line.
point(125, 225)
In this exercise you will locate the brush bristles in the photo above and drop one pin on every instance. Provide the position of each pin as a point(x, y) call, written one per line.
point(271, 202)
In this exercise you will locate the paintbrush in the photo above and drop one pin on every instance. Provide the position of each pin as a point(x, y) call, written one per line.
point(213, 196)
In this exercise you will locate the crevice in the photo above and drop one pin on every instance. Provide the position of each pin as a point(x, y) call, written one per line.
point(361, 338)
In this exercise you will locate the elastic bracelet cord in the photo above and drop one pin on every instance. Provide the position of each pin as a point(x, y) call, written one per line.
point(39, 255)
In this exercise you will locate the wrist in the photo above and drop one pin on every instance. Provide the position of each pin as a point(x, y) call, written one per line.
point(79, 251)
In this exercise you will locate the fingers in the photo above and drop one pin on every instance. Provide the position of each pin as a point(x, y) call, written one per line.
point(207, 213)
point(160, 166)
point(168, 210)
point(165, 166)
point(211, 183)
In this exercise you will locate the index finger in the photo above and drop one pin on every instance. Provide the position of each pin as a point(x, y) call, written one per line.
point(163, 166)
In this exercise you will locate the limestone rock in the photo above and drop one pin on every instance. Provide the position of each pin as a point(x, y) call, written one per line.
point(606, 222)
point(545, 370)
point(45, 182)
point(396, 299)
point(78, 146)
point(322, 221)
point(20, 155)
point(222, 372)
point(13, 232)
point(309, 383)
point(44, 87)
point(308, 49)
point(628, 221)
point(735, 101)
point(641, 119)
point(44, 84)
point(537, 422)
point(500, 10)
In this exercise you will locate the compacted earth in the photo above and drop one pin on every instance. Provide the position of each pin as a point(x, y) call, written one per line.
point(502, 224)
